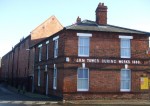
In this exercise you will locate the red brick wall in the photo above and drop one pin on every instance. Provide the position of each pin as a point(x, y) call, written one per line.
point(4, 66)
point(70, 80)
point(107, 44)
point(31, 61)
point(24, 59)
point(16, 63)
point(71, 44)
point(111, 96)
point(104, 78)
point(103, 84)
point(17, 68)
point(50, 62)
point(10, 67)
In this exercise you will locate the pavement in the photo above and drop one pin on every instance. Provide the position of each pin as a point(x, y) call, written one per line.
point(31, 95)
point(10, 95)
point(110, 102)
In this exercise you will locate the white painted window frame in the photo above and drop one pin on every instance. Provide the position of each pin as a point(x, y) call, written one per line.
point(87, 36)
point(55, 39)
point(81, 79)
point(121, 79)
point(40, 52)
point(122, 37)
point(47, 50)
point(55, 78)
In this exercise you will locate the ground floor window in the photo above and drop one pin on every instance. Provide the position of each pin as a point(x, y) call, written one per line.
point(83, 79)
point(55, 78)
point(125, 80)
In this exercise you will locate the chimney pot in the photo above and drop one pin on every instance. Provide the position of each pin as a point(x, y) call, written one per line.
point(78, 20)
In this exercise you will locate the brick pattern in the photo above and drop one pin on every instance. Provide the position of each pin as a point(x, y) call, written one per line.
point(104, 79)
point(46, 29)
point(19, 62)
point(109, 96)
point(101, 14)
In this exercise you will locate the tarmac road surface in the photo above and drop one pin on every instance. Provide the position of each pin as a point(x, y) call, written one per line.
point(10, 98)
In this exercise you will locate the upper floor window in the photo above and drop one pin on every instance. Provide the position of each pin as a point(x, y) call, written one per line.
point(83, 44)
point(47, 50)
point(55, 39)
point(40, 52)
point(125, 46)
point(125, 80)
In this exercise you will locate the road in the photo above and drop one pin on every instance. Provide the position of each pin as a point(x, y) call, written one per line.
point(11, 98)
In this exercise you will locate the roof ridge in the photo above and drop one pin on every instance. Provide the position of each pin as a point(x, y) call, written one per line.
point(88, 20)
point(92, 25)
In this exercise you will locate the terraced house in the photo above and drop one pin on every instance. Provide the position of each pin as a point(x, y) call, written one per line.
point(92, 59)
point(86, 60)
point(18, 63)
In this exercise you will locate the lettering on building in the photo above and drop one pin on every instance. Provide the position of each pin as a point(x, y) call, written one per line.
point(108, 61)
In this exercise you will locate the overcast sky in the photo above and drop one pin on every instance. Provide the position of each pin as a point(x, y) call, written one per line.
point(19, 17)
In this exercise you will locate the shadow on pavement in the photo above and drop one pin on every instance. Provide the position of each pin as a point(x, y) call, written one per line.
point(8, 93)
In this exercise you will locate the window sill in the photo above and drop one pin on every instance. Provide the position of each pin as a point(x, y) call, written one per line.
point(83, 55)
point(54, 88)
point(55, 56)
point(82, 90)
point(125, 90)
point(125, 57)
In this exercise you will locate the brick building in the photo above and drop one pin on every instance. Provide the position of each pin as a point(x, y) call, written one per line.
point(18, 64)
point(0, 69)
point(92, 59)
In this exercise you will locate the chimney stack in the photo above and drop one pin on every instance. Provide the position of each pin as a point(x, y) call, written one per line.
point(78, 20)
point(101, 14)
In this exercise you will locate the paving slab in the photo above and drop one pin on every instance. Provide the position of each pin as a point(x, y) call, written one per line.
point(110, 102)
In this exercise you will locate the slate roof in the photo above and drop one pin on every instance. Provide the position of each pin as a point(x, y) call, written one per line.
point(88, 25)
point(93, 26)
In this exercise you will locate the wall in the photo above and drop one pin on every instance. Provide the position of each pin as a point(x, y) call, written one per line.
point(50, 62)
point(46, 29)
point(105, 78)
point(18, 64)
point(107, 44)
